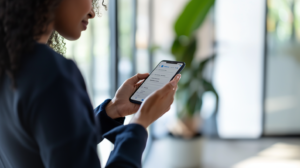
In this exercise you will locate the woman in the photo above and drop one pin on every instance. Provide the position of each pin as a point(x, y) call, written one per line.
point(46, 118)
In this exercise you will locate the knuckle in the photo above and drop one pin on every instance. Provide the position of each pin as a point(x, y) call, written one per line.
point(158, 95)
point(127, 80)
point(154, 95)
point(158, 92)
point(169, 85)
point(166, 88)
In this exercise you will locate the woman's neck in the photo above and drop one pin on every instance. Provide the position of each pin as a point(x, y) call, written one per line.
point(44, 38)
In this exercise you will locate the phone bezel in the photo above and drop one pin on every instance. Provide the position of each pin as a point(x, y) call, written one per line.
point(168, 61)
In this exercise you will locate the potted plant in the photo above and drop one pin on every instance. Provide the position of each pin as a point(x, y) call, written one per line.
point(185, 142)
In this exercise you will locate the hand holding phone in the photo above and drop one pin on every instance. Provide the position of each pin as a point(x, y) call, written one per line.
point(120, 106)
point(164, 72)
point(157, 104)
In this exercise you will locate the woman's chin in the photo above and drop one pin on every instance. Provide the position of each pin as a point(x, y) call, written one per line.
point(73, 37)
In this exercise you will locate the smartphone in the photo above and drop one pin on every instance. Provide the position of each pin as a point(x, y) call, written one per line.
point(162, 74)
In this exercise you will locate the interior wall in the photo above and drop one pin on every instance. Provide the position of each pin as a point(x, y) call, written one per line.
point(238, 77)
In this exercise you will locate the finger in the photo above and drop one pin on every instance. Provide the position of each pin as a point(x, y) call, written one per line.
point(172, 85)
point(136, 78)
point(136, 107)
point(175, 89)
point(175, 80)
point(139, 83)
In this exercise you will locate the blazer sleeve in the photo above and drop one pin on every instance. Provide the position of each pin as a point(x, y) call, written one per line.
point(104, 122)
point(130, 142)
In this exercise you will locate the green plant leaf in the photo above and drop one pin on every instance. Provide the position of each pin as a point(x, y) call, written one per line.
point(193, 85)
point(192, 17)
point(203, 63)
point(189, 53)
point(182, 97)
point(194, 104)
point(208, 86)
point(186, 77)
point(184, 52)
point(177, 49)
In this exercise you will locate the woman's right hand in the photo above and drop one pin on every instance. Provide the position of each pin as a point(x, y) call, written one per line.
point(157, 104)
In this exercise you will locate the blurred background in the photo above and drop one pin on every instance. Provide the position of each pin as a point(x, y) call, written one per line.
point(237, 102)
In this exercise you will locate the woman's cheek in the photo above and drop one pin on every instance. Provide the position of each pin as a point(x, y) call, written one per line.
point(69, 17)
point(84, 6)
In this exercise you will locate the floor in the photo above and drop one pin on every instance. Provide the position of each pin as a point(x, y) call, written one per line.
point(217, 153)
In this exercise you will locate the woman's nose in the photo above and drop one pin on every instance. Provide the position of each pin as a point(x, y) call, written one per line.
point(91, 14)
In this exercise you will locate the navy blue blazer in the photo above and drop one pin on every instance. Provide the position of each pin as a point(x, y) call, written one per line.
point(48, 120)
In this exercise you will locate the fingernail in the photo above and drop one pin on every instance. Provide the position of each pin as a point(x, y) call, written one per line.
point(178, 77)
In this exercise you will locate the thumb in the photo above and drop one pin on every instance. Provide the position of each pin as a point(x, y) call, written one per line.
point(173, 83)
point(136, 78)
point(175, 80)
point(139, 83)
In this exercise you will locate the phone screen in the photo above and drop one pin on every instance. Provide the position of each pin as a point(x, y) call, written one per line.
point(159, 77)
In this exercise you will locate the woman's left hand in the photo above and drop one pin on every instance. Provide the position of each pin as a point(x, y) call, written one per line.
point(120, 106)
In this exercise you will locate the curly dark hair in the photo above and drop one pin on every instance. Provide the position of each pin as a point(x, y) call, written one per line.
point(18, 34)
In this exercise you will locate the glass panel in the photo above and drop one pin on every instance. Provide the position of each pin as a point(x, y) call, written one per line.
point(283, 67)
point(142, 35)
point(125, 21)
